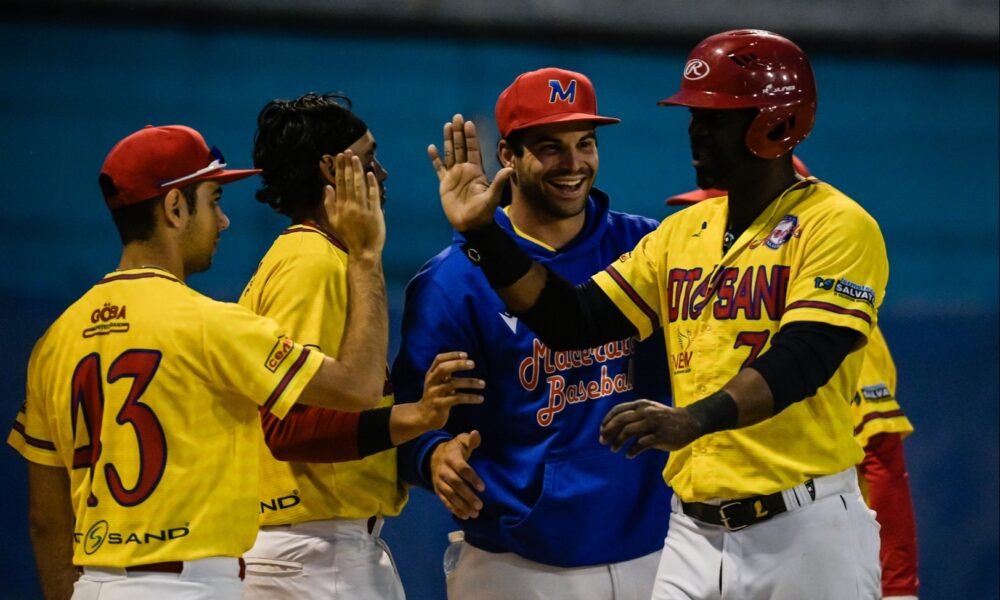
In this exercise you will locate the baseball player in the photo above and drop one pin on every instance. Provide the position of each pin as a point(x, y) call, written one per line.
point(530, 481)
point(765, 296)
point(320, 521)
point(879, 426)
point(141, 420)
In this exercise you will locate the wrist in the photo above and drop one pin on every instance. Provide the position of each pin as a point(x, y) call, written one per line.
point(498, 256)
point(717, 412)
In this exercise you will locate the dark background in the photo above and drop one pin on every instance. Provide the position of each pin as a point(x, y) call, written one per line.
point(908, 130)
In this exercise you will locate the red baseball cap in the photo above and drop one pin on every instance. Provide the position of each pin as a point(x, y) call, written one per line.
point(695, 196)
point(155, 160)
point(545, 96)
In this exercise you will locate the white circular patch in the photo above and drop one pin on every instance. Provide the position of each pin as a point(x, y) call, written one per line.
point(696, 69)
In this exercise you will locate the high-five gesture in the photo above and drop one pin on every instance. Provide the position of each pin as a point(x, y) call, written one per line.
point(354, 206)
point(467, 196)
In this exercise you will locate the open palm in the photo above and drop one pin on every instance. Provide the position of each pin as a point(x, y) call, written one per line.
point(467, 196)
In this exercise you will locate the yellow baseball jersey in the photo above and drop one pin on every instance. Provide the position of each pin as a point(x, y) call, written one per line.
point(149, 394)
point(874, 405)
point(302, 283)
point(812, 255)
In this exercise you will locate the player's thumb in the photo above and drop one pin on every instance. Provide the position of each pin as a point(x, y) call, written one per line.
point(499, 181)
point(470, 441)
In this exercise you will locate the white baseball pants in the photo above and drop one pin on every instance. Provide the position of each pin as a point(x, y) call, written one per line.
point(336, 559)
point(204, 579)
point(822, 549)
point(481, 575)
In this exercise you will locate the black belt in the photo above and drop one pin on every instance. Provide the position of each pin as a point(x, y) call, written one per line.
point(739, 514)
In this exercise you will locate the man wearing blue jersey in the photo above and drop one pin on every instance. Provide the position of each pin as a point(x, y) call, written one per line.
point(546, 510)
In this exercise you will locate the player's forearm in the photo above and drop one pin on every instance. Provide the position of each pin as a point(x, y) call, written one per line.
point(50, 526)
point(884, 470)
point(365, 345)
point(54, 560)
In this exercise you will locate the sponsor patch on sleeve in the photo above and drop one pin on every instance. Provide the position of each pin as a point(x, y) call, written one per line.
point(847, 289)
point(282, 348)
point(876, 393)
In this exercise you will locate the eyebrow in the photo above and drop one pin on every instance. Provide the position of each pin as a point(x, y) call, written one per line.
point(550, 139)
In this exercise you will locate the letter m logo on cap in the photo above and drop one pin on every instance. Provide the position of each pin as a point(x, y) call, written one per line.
point(558, 92)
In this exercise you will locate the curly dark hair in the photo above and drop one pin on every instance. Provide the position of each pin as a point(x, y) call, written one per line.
point(292, 136)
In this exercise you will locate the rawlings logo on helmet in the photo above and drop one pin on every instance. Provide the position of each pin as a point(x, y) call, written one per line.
point(696, 69)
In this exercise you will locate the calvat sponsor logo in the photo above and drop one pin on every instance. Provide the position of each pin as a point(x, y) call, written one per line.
point(100, 533)
point(854, 291)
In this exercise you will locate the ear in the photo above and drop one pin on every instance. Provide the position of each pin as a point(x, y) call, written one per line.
point(327, 170)
point(505, 154)
point(174, 209)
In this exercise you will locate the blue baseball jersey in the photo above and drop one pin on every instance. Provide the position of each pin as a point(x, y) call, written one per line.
point(553, 494)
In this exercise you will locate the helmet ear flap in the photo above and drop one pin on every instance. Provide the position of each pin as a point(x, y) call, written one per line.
point(776, 130)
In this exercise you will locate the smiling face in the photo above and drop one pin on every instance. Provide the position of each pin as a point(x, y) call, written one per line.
point(718, 146)
point(200, 236)
point(556, 167)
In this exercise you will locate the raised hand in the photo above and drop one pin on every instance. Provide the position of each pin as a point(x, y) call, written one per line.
point(654, 425)
point(354, 206)
point(467, 196)
point(455, 482)
point(442, 390)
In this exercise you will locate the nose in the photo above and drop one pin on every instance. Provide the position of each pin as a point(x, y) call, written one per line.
point(380, 173)
point(223, 220)
point(571, 159)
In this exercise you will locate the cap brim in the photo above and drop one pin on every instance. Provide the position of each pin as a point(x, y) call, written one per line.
point(565, 118)
point(226, 176)
point(693, 197)
point(703, 99)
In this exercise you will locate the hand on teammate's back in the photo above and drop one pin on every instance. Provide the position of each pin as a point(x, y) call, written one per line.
point(455, 481)
point(654, 425)
point(467, 196)
point(354, 206)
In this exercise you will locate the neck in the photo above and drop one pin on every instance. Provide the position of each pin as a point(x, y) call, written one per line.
point(749, 198)
point(552, 230)
point(317, 219)
point(136, 255)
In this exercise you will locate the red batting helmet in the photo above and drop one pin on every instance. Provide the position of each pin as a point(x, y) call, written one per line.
point(750, 68)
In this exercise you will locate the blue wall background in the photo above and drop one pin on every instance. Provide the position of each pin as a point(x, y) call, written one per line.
point(915, 142)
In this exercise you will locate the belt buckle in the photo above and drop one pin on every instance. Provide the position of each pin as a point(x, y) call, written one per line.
point(725, 519)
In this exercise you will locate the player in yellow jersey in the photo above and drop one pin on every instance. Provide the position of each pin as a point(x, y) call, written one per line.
point(140, 422)
point(879, 426)
point(765, 296)
point(320, 521)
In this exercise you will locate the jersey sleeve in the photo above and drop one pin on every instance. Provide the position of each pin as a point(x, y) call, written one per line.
point(842, 272)
point(33, 434)
point(874, 405)
point(431, 325)
point(252, 356)
point(631, 282)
